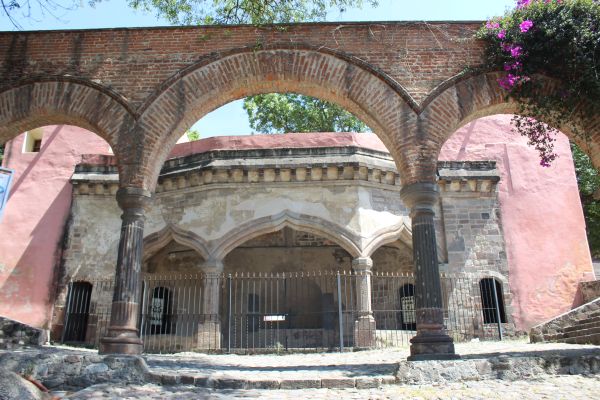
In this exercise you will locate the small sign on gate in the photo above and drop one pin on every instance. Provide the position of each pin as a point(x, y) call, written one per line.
point(274, 318)
point(5, 179)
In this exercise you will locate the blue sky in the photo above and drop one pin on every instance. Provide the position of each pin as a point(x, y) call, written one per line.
point(231, 119)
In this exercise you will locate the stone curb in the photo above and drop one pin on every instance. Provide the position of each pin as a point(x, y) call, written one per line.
point(501, 367)
point(171, 379)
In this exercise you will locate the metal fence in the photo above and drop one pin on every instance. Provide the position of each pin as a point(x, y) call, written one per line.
point(270, 312)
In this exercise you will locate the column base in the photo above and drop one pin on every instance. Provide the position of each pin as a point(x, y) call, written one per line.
point(432, 346)
point(364, 332)
point(121, 344)
point(209, 336)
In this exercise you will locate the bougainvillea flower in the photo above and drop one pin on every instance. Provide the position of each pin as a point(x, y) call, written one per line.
point(492, 25)
point(526, 25)
point(516, 51)
point(502, 34)
point(523, 3)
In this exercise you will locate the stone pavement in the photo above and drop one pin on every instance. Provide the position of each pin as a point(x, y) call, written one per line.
point(370, 375)
point(367, 369)
point(509, 369)
point(555, 387)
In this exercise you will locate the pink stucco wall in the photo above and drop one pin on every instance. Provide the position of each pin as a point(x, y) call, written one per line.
point(34, 219)
point(542, 218)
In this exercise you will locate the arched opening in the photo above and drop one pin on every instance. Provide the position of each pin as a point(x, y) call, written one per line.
point(173, 298)
point(283, 291)
point(199, 90)
point(492, 301)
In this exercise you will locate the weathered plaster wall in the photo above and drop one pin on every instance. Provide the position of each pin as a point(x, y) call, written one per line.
point(214, 212)
point(34, 219)
point(541, 216)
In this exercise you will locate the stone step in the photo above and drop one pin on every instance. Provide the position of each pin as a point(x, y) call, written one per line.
point(585, 339)
point(582, 332)
point(589, 319)
point(232, 382)
point(578, 327)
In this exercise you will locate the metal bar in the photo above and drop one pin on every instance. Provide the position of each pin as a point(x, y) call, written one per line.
point(340, 315)
point(229, 314)
point(67, 312)
point(497, 304)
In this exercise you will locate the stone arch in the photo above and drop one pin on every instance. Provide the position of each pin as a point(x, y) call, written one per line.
point(307, 223)
point(194, 92)
point(463, 99)
point(154, 242)
point(398, 232)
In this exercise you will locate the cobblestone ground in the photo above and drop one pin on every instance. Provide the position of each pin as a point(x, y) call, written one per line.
point(562, 387)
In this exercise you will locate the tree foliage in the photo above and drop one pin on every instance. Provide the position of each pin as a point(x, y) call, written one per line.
point(256, 12)
point(559, 39)
point(17, 10)
point(281, 113)
point(588, 181)
point(192, 134)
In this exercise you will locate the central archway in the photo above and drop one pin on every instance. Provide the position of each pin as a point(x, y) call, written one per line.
point(369, 94)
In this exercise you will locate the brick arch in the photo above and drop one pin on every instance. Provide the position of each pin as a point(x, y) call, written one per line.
point(301, 222)
point(55, 102)
point(465, 99)
point(200, 90)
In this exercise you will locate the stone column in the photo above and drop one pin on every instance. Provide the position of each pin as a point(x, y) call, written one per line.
point(364, 326)
point(209, 328)
point(123, 334)
point(431, 342)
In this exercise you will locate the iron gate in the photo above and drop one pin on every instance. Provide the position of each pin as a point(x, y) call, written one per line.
point(267, 312)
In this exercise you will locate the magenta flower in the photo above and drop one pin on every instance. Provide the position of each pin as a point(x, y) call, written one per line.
point(492, 25)
point(516, 51)
point(526, 25)
point(523, 3)
point(502, 34)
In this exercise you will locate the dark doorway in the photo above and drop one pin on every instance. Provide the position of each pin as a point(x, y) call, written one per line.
point(492, 299)
point(160, 311)
point(406, 315)
point(78, 311)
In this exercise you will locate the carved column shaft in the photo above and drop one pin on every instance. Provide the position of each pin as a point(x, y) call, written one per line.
point(364, 326)
point(431, 341)
point(209, 329)
point(362, 266)
point(210, 288)
point(123, 334)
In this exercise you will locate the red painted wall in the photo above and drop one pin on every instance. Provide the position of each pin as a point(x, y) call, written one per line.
point(34, 219)
point(542, 218)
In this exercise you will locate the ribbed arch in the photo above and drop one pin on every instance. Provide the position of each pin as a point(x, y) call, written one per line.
point(306, 223)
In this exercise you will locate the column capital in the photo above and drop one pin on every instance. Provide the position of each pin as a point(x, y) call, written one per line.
point(420, 194)
point(212, 267)
point(363, 264)
point(132, 197)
